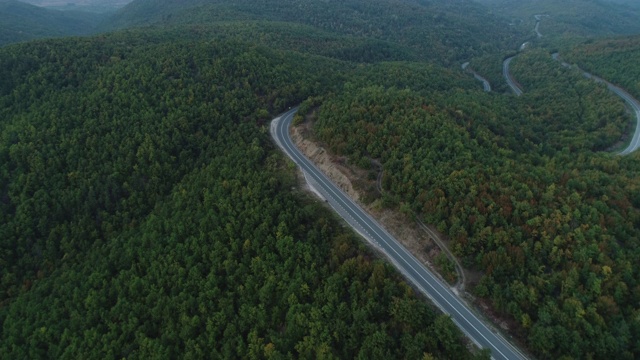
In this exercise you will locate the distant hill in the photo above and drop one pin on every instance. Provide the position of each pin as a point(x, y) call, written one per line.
point(574, 17)
point(442, 31)
point(20, 22)
point(99, 6)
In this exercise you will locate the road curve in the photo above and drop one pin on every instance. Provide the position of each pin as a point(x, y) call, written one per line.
point(485, 83)
point(407, 264)
point(630, 100)
point(537, 28)
point(635, 141)
point(633, 104)
point(513, 84)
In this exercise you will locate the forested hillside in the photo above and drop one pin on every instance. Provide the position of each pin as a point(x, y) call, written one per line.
point(613, 59)
point(145, 213)
point(516, 185)
point(440, 31)
point(302, 38)
point(21, 22)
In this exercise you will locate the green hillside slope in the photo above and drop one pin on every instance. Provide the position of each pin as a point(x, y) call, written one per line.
point(441, 31)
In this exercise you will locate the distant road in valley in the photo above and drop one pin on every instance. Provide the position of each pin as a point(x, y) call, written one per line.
point(633, 103)
point(635, 106)
point(511, 81)
point(537, 28)
point(485, 83)
point(513, 84)
point(413, 270)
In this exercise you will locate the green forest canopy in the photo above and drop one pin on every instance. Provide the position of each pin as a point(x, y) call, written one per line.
point(144, 211)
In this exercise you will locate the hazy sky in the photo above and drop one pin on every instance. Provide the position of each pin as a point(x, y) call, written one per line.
point(77, 2)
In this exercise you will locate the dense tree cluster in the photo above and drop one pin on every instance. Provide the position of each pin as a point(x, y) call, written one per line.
point(521, 194)
point(301, 38)
point(444, 32)
point(68, 112)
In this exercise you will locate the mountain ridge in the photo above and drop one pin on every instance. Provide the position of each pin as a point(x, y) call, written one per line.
point(21, 22)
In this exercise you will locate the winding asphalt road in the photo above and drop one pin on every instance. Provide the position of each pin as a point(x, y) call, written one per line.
point(635, 105)
point(513, 84)
point(409, 266)
point(485, 83)
point(537, 28)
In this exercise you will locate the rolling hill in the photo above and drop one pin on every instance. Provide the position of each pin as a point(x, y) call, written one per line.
point(440, 31)
point(21, 22)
